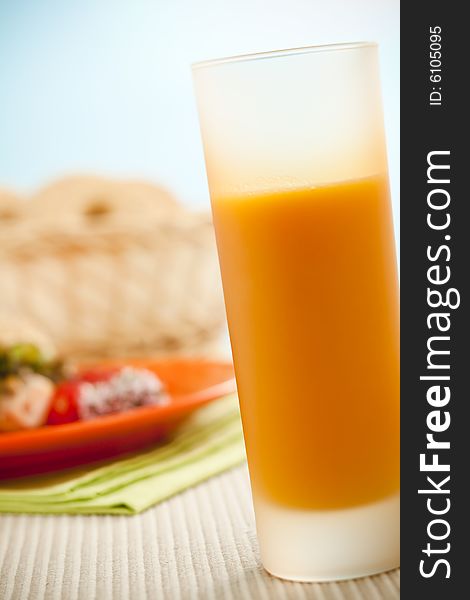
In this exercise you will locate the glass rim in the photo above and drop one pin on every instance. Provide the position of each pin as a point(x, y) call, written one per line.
point(317, 48)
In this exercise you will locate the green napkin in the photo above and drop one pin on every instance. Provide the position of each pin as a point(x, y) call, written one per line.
point(209, 442)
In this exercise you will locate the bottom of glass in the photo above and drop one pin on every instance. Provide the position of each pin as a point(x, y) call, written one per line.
point(329, 545)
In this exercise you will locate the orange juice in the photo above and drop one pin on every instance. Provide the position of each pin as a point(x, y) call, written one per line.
point(312, 303)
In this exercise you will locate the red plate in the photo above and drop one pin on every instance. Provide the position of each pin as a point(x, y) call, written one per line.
point(190, 383)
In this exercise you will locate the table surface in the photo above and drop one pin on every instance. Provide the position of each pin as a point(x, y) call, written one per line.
point(200, 544)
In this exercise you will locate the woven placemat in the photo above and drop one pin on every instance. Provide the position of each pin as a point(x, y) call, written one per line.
point(199, 545)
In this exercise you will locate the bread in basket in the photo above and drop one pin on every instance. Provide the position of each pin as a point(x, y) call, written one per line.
point(110, 268)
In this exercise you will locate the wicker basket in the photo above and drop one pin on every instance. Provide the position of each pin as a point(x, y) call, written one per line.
point(144, 281)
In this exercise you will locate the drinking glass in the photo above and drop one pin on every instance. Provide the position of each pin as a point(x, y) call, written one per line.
point(297, 170)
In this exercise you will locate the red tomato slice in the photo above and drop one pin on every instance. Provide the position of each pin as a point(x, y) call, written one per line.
point(64, 406)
